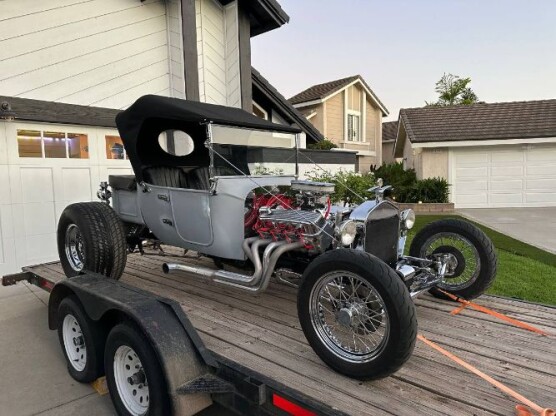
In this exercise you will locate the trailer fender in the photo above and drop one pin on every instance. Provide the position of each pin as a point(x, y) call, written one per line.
point(179, 348)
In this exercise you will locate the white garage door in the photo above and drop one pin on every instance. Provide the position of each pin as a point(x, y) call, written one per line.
point(504, 176)
point(43, 168)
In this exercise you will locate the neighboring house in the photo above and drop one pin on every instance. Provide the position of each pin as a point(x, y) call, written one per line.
point(389, 133)
point(493, 155)
point(68, 67)
point(348, 113)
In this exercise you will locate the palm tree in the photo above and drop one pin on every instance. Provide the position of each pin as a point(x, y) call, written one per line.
point(453, 90)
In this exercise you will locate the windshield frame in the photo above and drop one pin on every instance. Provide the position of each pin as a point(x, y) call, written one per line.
point(209, 144)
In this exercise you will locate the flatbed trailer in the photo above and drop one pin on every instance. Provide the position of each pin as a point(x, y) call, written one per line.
point(256, 349)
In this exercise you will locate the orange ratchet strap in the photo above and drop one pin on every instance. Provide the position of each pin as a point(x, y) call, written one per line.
point(521, 410)
point(513, 321)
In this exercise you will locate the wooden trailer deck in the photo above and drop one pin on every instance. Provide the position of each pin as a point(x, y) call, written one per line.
point(262, 333)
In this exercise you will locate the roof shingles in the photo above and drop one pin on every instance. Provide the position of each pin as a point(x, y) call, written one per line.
point(496, 121)
point(389, 131)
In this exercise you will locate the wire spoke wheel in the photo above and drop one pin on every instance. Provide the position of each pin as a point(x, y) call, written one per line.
point(74, 343)
point(349, 316)
point(131, 380)
point(463, 259)
point(75, 248)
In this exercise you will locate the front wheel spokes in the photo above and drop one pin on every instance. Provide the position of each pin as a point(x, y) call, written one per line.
point(349, 316)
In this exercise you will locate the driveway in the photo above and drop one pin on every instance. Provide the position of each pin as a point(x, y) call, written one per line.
point(535, 226)
point(33, 375)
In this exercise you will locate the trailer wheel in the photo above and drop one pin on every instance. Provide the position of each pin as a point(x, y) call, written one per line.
point(91, 237)
point(82, 341)
point(133, 373)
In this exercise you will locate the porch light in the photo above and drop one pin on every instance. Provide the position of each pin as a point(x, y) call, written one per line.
point(6, 112)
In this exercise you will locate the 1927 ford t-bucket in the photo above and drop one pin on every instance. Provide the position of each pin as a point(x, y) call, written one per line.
point(196, 187)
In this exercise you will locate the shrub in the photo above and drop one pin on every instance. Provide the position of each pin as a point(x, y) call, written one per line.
point(401, 180)
point(350, 186)
point(432, 190)
point(322, 145)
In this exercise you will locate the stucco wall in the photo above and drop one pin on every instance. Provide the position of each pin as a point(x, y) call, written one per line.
point(434, 163)
point(387, 152)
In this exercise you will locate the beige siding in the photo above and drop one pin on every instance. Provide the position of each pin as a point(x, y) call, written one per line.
point(335, 118)
point(318, 119)
point(218, 51)
point(354, 98)
point(175, 48)
point(99, 52)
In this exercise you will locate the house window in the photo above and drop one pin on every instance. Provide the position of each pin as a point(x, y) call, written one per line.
point(115, 148)
point(353, 130)
point(52, 144)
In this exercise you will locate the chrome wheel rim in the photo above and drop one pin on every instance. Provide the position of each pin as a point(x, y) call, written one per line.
point(462, 250)
point(75, 249)
point(131, 381)
point(74, 343)
point(349, 316)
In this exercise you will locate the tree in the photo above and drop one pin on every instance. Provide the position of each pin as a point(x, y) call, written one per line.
point(453, 90)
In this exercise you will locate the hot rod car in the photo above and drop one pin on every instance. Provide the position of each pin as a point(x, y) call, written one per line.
point(198, 185)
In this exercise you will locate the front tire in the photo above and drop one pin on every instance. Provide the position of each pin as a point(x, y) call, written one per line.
point(133, 374)
point(357, 314)
point(91, 238)
point(473, 261)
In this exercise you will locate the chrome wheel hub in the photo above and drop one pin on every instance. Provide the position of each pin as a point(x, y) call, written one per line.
point(75, 248)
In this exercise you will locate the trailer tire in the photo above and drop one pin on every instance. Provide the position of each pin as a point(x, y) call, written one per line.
point(84, 351)
point(91, 237)
point(127, 344)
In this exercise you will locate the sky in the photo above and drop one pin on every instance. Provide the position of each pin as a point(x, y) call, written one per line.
point(402, 47)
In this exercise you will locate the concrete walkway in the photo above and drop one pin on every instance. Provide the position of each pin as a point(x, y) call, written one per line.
point(535, 226)
point(33, 375)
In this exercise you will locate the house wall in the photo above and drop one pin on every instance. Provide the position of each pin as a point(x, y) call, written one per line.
point(388, 152)
point(218, 52)
point(175, 48)
point(434, 164)
point(335, 119)
point(103, 53)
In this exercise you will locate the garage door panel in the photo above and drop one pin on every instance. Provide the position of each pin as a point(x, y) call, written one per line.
point(76, 184)
point(541, 197)
point(471, 172)
point(471, 187)
point(471, 157)
point(541, 154)
point(505, 198)
point(506, 185)
point(542, 170)
point(504, 176)
point(507, 171)
point(541, 184)
point(40, 248)
point(36, 184)
point(39, 218)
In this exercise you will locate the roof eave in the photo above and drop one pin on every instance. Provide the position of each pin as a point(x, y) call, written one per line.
point(266, 15)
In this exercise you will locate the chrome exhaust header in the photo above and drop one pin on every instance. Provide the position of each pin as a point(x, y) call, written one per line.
point(255, 283)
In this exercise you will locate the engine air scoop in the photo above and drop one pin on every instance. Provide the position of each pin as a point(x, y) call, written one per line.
point(316, 187)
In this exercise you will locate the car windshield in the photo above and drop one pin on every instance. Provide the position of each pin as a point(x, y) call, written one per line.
point(253, 152)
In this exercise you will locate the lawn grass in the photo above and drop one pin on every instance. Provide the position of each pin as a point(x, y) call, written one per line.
point(524, 271)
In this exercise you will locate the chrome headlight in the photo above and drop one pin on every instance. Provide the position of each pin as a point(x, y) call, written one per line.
point(407, 219)
point(347, 231)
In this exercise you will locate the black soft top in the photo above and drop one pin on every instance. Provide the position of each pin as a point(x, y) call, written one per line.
point(143, 121)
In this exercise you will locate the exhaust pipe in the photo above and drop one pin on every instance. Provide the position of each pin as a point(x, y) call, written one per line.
point(255, 283)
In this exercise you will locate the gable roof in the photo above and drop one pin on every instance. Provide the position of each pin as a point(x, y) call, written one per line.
point(496, 121)
point(321, 92)
point(284, 106)
point(389, 131)
point(265, 15)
